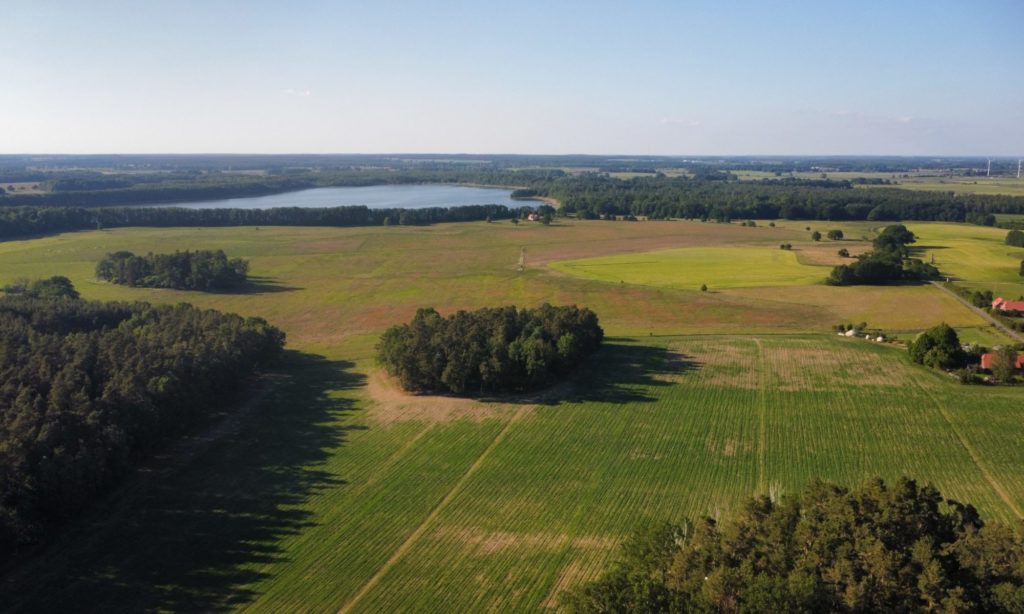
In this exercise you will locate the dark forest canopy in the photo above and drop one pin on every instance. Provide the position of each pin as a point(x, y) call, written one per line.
point(18, 222)
point(88, 388)
point(489, 350)
point(198, 270)
point(876, 548)
point(592, 196)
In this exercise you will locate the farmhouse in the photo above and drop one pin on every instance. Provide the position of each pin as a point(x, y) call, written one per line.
point(986, 361)
point(1008, 306)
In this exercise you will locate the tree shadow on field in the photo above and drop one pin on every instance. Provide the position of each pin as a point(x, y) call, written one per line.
point(258, 285)
point(622, 372)
point(192, 537)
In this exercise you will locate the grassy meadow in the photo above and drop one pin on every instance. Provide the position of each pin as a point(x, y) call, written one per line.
point(342, 493)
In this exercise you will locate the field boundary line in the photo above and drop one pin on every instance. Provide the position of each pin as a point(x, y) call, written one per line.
point(762, 413)
point(975, 456)
point(434, 513)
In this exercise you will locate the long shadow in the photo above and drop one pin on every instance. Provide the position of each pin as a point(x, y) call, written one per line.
point(258, 285)
point(620, 372)
point(191, 540)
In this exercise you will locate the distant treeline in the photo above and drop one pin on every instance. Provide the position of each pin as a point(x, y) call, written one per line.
point(198, 270)
point(594, 196)
point(18, 222)
point(490, 350)
point(88, 388)
point(96, 190)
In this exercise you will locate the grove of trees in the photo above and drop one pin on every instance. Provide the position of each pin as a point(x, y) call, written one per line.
point(88, 388)
point(489, 350)
point(889, 261)
point(938, 347)
point(198, 270)
point(879, 547)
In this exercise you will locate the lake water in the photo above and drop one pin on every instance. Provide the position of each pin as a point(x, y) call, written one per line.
point(374, 197)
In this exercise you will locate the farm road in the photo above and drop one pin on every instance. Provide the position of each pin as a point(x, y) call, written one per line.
point(981, 312)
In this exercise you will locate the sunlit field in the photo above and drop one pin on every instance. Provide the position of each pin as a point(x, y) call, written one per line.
point(342, 492)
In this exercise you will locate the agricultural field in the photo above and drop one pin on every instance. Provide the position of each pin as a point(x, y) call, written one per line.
point(340, 492)
point(961, 184)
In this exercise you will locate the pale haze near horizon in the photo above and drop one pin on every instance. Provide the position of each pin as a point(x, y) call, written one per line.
point(669, 78)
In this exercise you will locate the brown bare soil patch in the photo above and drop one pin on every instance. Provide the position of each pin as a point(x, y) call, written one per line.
point(826, 253)
point(491, 542)
point(391, 404)
point(730, 447)
point(723, 362)
point(802, 365)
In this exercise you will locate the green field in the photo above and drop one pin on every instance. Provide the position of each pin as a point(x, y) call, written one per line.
point(340, 492)
point(931, 182)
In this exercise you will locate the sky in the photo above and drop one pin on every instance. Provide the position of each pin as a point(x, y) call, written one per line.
point(552, 77)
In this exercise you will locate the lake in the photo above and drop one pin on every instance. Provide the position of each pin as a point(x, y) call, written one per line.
point(374, 197)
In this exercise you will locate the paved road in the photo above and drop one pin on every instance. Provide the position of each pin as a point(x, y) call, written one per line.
point(981, 312)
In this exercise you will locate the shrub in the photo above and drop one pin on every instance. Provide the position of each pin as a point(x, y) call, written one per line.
point(938, 347)
point(845, 253)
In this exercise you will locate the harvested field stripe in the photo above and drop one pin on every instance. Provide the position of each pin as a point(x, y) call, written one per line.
point(762, 434)
point(998, 487)
point(422, 528)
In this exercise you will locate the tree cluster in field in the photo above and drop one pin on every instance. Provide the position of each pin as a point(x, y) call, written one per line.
point(18, 222)
point(88, 388)
point(938, 347)
point(876, 548)
point(888, 262)
point(57, 286)
point(490, 350)
point(198, 270)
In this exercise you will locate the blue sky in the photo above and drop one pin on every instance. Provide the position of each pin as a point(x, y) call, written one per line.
point(905, 78)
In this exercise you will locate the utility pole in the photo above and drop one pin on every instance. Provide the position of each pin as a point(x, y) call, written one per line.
point(522, 260)
point(1018, 168)
point(988, 173)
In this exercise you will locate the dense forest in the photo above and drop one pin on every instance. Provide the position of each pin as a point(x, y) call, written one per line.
point(888, 262)
point(88, 388)
point(18, 222)
point(490, 350)
point(659, 197)
point(198, 270)
point(876, 548)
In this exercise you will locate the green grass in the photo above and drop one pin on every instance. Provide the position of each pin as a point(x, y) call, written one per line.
point(315, 496)
point(960, 184)
point(718, 267)
point(336, 489)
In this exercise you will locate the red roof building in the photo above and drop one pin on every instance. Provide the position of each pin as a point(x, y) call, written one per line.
point(1004, 305)
point(986, 361)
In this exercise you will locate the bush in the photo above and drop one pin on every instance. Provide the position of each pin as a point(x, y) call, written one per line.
point(490, 350)
point(835, 235)
point(816, 236)
point(1015, 238)
point(938, 347)
point(845, 253)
